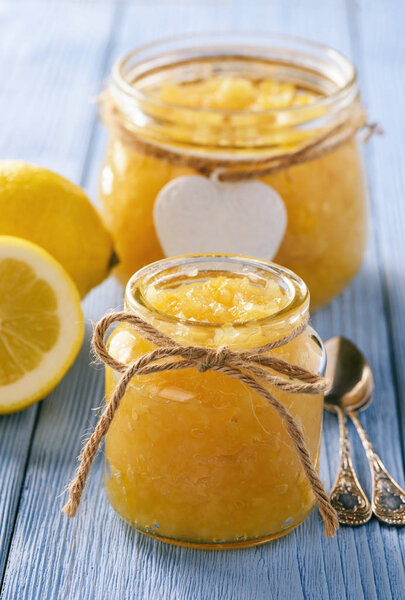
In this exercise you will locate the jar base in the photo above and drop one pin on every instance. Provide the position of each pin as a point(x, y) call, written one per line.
point(235, 545)
point(224, 545)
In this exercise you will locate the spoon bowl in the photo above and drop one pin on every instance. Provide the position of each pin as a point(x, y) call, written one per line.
point(351, 377)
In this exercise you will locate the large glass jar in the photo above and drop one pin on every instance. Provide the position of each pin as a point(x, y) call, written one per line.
point(197, 458)
point(174, 108)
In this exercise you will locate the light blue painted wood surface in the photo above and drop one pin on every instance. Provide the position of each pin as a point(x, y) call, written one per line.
point(54, 57)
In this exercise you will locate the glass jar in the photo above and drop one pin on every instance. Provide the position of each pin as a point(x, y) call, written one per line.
point(157, 138)
point(199, 459)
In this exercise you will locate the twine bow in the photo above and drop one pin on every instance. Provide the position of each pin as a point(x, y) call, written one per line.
point(251, 367)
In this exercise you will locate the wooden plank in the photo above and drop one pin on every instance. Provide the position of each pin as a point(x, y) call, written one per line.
point(359, 549)
point(351, 315)
point(15, 439)
point(48, 78)
point(363, 317)
point(18, 97)
point(381, 46)
point(97, 555)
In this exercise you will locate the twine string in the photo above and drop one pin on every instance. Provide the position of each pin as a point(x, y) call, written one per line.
point(252, 368)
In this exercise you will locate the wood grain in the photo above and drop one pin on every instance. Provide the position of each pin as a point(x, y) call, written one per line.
point(57, 56)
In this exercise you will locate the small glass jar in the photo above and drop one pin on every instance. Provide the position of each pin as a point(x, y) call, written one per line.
point(324, 195)
point(198, 459)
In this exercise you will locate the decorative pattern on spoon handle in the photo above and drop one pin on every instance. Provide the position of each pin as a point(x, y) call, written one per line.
point(388, 500)
point(347, 496)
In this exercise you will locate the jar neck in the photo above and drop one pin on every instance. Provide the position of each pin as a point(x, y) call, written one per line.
point(171, 273)
point(305, 64)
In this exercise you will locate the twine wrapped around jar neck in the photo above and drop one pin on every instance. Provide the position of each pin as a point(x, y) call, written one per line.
point(250, 367)
point(339, 134)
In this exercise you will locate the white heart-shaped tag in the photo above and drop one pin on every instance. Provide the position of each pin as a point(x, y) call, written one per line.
point(195, 215)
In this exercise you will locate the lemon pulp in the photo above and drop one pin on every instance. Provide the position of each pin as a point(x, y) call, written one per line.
point(41, 323)
point(24, 336)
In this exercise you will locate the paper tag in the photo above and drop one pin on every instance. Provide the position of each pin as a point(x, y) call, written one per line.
point(195, 215)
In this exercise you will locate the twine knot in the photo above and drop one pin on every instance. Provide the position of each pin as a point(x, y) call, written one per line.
point(214, 358)
point(254, 368)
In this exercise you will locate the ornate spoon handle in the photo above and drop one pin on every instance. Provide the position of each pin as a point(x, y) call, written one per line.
point(388, 500)
point(347, 496)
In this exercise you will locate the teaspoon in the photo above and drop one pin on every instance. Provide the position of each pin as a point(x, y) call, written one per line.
point(351, 390)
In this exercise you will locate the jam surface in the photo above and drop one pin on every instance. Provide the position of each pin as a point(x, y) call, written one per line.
point(219, 300)
point(235, 93)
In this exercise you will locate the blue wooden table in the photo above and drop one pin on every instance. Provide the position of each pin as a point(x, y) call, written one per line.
point(54, 58)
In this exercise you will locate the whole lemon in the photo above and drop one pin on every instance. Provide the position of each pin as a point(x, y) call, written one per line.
point(47, 209)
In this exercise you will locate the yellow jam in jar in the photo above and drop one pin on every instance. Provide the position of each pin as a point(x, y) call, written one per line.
point(218, 300)
point(240, 100)
point(198, 458)
point(235, 93)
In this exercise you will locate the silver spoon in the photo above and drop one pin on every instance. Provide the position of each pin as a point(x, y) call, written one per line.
point(351, 390)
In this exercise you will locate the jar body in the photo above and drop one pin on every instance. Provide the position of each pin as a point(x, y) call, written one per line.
point(198, 458)
point(325, 199)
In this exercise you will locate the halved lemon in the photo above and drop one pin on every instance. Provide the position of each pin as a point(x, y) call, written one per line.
point(41, 323)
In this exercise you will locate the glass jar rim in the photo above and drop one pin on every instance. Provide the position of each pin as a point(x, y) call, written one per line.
point(348, 88)
point(298, 294)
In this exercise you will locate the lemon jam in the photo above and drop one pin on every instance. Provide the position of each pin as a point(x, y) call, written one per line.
point(198, 458)
point(235, 93)
point(240, 99)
